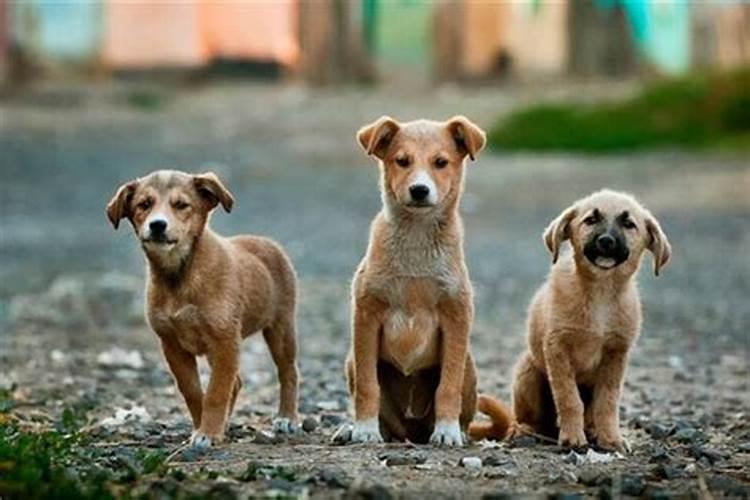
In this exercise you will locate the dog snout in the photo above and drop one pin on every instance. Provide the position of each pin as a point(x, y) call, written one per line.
point(157, 227)
point(606, 242)
point(419, 192)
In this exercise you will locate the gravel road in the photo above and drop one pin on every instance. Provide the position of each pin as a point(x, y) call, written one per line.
point(71, 289)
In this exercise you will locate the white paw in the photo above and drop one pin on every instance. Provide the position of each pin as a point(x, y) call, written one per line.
point(366, 431)
point(200, 441)
point(447, 433)
point(283, 425)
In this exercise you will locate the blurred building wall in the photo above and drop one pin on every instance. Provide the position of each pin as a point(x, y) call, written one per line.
point(537, 40)
point(661, 31)
point(720, 34)
point(263, 31)
point(479, 40)
point(51, 30)
point(4, 24)
point(335, 38)
point(150, 34)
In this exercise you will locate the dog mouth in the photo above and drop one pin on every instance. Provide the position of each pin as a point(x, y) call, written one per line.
point(420, 205)
point(607, 261)
point(162, 241)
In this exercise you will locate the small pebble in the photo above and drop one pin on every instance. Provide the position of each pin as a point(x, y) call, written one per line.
point(398, 458)
point(632, 484)
point(494, 461)
point(343, 435)
point(686, 435)
point(309, 424)
point(471, 462)
point(523, 442)
point(263, 437)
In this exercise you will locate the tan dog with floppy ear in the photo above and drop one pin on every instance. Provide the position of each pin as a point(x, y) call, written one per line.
point(582, 324)
point(206, 293)
point(410, 371)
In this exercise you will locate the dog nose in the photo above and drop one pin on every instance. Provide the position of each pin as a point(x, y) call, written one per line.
point(605, 242)
point(419, 192)
point(158, 226)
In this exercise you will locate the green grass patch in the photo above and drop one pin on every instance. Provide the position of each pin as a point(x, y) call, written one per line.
point(702, 111)
point(63, 465)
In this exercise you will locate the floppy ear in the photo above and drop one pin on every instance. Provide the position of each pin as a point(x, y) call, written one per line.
point(559, 231)
point(119, 206)
point(375, 137)
point(658, 244)
point(210, 187)
point(469, 138)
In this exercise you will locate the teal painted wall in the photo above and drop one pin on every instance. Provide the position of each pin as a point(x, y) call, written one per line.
point(58, 29)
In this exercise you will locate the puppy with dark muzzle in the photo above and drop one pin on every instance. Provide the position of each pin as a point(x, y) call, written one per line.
point(582, 324)
point(410, 371)
point(206, 293)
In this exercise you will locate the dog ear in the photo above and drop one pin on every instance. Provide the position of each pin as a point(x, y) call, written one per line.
point(469, 138)
point(210, 187)
point(559, 231)
point(119, 206)
point(658, 244)
point(375, 137)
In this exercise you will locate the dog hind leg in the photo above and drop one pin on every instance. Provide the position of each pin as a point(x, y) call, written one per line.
point(281, 339)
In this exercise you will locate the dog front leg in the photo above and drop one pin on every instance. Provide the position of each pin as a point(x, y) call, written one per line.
point(184, 369)
point(565, 392)
point(606, 398)
point(366, 349)
point(224, 360)
point(455, 324)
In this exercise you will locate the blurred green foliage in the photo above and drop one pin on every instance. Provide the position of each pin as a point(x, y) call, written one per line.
point(39, 465)
point(700, 111)
point(62, 465)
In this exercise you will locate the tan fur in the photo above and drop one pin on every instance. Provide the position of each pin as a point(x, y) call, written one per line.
point(206, 293)
point(410, 365)
point(582, 323)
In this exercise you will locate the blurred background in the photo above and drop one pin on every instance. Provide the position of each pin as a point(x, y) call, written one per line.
point(332, 41)
point(648, 96)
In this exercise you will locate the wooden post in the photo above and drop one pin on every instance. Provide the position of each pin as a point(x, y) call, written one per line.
point(332, 42)
point(600, 42)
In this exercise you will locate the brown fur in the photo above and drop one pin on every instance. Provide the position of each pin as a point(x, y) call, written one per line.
point(410, 371)
point(206, 293)
point(582, 323)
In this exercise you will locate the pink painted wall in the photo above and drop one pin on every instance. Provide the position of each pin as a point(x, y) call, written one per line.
point(187, 34)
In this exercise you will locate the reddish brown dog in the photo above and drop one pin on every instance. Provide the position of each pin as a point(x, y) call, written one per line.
point(410, 371)
point(206, 293)
point(582, 324)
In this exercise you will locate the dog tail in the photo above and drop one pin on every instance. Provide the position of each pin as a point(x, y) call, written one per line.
point(499, 425)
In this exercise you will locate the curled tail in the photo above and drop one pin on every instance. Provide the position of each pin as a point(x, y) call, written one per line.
point(500, 421)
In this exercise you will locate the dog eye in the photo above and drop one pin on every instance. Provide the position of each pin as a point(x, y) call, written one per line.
point(441, 162)
point(180, 205)
point(591, 220)
point(402, 161)
point(144, 205)
point(628, 224)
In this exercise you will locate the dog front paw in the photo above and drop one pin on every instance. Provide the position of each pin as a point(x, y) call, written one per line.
point(283, 425)
point(447, 433)
point(367, 431)
point(613, 442)
point(572, 439)
point(203, 441)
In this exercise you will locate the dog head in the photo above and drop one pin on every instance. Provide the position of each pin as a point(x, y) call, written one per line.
point(168, 210)
point(609, 231)
point(422, 161)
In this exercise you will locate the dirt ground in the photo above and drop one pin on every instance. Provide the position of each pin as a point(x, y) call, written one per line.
point(71, 290)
